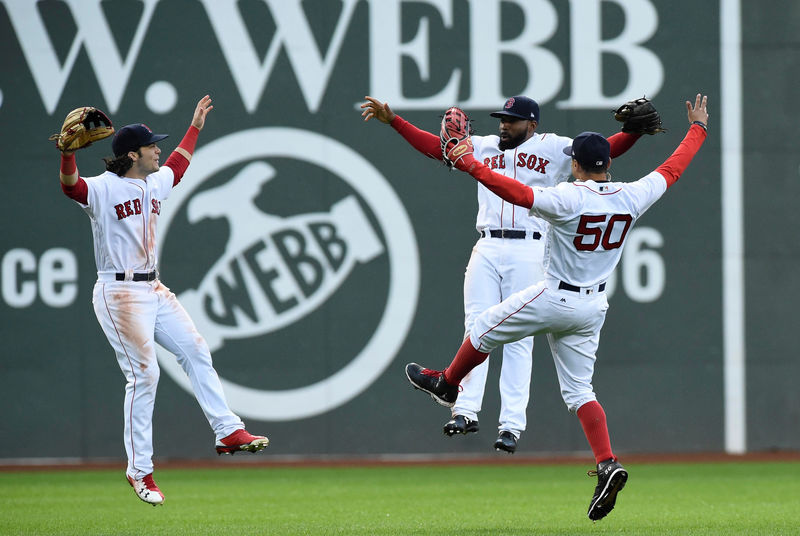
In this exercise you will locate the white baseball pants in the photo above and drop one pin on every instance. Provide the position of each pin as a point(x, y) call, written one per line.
point(135, 316)
point(498, 268)
point(572, 321)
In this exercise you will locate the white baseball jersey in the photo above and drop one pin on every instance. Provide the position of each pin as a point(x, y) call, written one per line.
point(124, 214)
point(591, 220)
point(500, 267)
point(539, 161)
point(589, 223)
point(137, 315)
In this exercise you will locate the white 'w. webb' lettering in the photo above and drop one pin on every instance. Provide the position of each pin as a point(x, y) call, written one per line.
point(93, 34)
point(387, 52)
point(293, 34)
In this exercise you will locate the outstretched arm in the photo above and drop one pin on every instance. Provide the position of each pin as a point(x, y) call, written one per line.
point(374, 108)
point(677, 163)
point(179, 159)
point(621, 142)
point(522, 195)
point(68, 174)
point(72, 185)
point(504, 187)
point(422, 141)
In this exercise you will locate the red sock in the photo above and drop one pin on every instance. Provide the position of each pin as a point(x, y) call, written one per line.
point(466, 359)
point(593, 420)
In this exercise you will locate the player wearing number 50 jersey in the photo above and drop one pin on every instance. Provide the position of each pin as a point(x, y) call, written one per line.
point(133, 307)
point(507, 256)
point(590, 219)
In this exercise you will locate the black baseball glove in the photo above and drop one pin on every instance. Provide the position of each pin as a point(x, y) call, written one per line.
point(639, 117)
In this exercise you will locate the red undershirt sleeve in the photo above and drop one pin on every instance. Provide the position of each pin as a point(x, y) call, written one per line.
point(621, 142)
point(78, 191)
point(176, 161)
point(512, 191)
point(422, 141)
point(178, 164)
point(677, 163)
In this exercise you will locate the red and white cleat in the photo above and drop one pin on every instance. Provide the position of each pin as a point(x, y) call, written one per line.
point(147, 490)
point(241, 440)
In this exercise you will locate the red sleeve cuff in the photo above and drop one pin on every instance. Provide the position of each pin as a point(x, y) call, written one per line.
point(78, 191)
point(176, 161)
point(68, 165)
point(178, 164)
point(189, 140)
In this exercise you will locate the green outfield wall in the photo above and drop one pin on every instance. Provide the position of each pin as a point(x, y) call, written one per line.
point(318, 254)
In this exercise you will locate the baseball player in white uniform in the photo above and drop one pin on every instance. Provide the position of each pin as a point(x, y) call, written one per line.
point(133, 307)
point(590, 219)
point(508, 254)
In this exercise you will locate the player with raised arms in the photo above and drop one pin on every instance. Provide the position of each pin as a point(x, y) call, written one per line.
point(508, 255)
point(133, 307)
point(589, 221)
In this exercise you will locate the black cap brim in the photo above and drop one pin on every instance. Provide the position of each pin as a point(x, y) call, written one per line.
point(568, 150)
point(506, 114)
point(155, 138)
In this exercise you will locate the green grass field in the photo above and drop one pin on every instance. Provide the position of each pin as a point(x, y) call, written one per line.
point(664, 499)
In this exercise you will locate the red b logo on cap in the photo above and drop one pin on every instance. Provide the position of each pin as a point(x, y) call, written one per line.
point(510, 103)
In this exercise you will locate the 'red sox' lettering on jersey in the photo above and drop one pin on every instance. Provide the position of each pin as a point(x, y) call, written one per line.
point(508, 255)
point(495, 162)
point(589, 220)
point(135, 310)
point(134, 206)
point(536, 163)
point(128, 208)
point(532, 162)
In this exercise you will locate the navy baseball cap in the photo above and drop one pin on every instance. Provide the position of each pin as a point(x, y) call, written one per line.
point(131, 137)
point(520, 107)
point(590, 149)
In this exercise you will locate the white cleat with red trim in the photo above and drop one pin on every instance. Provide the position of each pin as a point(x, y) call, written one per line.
point(147, 490)
point(241, 440)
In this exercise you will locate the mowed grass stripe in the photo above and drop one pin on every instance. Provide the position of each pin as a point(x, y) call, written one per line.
point(715, 498)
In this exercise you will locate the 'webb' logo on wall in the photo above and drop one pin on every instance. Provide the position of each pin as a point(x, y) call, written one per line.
point(389, 50)
point(275, 270)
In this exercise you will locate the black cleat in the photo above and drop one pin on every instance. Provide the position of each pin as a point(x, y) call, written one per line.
point(460, 424)
point(506, 441)
point(433, 383)
point(611, 478)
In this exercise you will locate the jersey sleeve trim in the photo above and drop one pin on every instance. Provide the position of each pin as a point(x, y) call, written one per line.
point(178, 164)
point(78, 192)
point(176, 161)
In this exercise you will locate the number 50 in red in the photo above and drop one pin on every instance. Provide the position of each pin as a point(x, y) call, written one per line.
point(592, 227)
